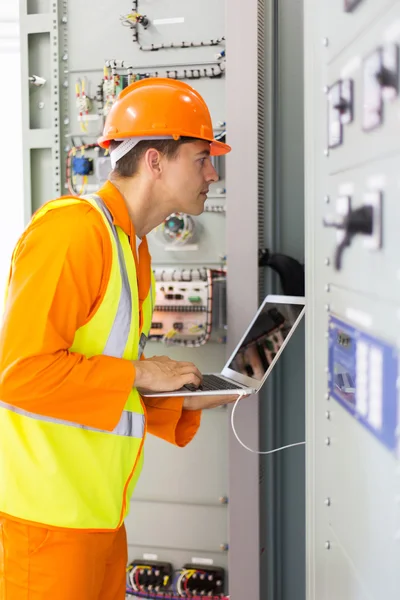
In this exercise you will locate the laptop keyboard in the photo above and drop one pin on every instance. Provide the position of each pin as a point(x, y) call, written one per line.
point(212, 382)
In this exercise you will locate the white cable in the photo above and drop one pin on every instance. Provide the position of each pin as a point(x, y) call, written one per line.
point(244, 445)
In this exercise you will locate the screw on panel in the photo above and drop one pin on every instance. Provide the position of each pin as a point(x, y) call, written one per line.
point(64, 19)
point(327, 396)
point(327, 199)
point(65, 57)
point(325, 42)
point(66, 83)
point(327, 335)
point(326, 152)
point(41, 105)
point(328, 415)
point(327, 545)
point(325, 89)
point(327, 261)
point(66, 121)
point(327, 441)
point(327, 502)
point(327, 307)
point(327, 287)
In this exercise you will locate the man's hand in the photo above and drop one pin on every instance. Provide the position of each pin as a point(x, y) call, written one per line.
point(204, 402)
point(162, 374)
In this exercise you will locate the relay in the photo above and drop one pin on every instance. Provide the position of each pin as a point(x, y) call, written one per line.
point(81, 165)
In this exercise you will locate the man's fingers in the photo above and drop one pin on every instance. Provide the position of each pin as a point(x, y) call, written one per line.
point(190, 369)
point(191, 379)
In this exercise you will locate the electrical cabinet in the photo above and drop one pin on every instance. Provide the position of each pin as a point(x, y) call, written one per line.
point(352, 158)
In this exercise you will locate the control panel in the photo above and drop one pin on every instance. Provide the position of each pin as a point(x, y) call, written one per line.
point(353, 329)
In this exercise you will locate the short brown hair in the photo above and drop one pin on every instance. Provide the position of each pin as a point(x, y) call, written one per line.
point(127, 166)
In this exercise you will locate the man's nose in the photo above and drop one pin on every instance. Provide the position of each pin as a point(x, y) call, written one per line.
point(212, 174)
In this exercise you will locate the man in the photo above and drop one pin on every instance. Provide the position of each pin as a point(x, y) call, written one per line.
point(78, 311)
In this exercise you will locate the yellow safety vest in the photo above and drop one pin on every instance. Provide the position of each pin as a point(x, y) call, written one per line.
point(63, 474)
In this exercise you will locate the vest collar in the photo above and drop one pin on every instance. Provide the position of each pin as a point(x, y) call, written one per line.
point(115, 203)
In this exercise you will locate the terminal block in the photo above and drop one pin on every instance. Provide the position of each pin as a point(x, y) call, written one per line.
point(200, 580)
point(149, 576)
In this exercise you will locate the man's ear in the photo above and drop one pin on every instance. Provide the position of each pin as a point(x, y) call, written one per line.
point(153, 161)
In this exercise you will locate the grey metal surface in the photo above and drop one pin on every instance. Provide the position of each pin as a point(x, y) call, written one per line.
point(112, 40)
point(40, 117)
point(243, 293)
point(353, 484)
point(282, 401)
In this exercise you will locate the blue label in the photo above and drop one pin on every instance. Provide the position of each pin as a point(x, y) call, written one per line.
point(363, 374)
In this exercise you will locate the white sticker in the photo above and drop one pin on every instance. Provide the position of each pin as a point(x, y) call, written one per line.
point(375, 415)
point(170, 21)
point(202, 561)
point(150, 556)
point(359, 317)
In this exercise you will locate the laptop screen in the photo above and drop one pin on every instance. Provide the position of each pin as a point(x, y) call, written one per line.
point(265, 337)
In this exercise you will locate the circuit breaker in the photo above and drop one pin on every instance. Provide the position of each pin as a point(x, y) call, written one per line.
point(352, 159)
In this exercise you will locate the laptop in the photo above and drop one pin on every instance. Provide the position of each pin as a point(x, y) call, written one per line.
point(255, 355)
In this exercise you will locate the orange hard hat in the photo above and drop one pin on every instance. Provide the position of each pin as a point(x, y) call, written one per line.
point(160, 108)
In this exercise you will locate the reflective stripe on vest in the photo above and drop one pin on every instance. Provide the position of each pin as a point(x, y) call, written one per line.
point(119, 333)
point(130, 424)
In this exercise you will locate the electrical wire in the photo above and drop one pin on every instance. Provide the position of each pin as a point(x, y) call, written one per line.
point(170, 596)
point(70, 179)
point(250, 449)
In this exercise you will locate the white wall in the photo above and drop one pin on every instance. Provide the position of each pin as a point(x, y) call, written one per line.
point(11, 173)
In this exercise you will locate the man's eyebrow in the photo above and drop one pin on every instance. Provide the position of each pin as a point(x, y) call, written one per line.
point(204, 153)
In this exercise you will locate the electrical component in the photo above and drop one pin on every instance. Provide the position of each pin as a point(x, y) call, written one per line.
point(178, 229)
point(37, 81)
point(182, 314)
point(134, 18)
point(103, 168)
point(340, 110)
point(381, 81)
point(350, 5)
point(365, 220)
point(177, 46)
point(81, 165)
point(197, 580)
point(83, 103)
point(149, 576)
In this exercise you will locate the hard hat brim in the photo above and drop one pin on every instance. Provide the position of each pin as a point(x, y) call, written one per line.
point(219, 148)
point(216, 148)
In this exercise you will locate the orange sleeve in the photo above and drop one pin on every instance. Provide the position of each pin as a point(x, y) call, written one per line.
point(167, 420)
point(57, 281)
